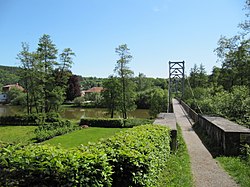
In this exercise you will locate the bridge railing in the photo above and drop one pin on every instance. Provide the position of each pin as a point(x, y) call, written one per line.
point(191, 113)
point(227, 135)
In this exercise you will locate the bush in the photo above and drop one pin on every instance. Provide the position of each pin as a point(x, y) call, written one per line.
point(114, 122)
point(43, 165)
point(54, 128)
point(130, 158)
point(138, 155)
point(29, 120)
point(102, 122)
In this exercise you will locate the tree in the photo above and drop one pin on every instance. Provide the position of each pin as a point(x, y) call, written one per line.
point(112, 94)
point(158, 102)
point(44, 78)
point(234, 54)
point(73, 89)
point(125, 75)
point(29, 75)
point(47, 55)
point(198, 77)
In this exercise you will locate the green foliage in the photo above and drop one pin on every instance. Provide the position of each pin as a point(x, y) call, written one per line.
point(16, 97)
point(79, 101)
point(89, 82)
point(54, 127)
point(9, 75)
point(233, 105)
point(114, 122)
point(130, 158)
point(102, 122)
point(112, 94)
point(95, 98)
point(127, 99)
point(198, 77)
point(22, 120)
point(158, 102)
point(43, 165)
point(143, 99)
point(44, 79)
point(138, 155)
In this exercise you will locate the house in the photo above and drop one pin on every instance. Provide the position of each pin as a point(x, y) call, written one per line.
point(10, 86)
point(92, 90)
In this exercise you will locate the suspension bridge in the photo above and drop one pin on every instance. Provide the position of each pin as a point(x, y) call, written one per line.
point(226, 135)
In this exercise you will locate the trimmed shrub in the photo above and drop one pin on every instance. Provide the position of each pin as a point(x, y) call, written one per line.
point(49, 130)
point(114, 122)
point(137, 155)
point(130, 158)
point(102, 122)
point(29, 120)
point(43, 165)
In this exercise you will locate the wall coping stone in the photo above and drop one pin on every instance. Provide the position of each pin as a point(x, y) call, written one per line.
point(226, 125)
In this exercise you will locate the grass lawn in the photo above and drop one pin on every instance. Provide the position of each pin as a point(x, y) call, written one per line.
point(238, 168)
point(17, 134)
point(83, 136)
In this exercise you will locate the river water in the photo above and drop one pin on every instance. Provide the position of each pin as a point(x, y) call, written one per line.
point(73, 113)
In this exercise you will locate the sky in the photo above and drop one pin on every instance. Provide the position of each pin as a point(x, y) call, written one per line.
point(155, 31)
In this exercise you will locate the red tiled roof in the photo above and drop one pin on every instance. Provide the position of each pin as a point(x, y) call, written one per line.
point(8, 87)
point(94, 90)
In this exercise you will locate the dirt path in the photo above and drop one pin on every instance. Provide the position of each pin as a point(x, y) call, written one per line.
point(206, 171)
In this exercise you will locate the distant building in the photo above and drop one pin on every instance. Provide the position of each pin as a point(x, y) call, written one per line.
point(10, 86)
point(92, 90)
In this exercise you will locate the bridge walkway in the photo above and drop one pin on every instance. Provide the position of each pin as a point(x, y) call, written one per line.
point(205, 169)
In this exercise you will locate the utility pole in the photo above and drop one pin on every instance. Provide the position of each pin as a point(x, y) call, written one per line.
point(176, 81)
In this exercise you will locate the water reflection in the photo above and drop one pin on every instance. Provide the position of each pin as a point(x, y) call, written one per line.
point(74, 113)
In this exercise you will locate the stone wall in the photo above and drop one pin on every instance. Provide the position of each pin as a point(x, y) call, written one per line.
point(191, 113)
point(226, 134)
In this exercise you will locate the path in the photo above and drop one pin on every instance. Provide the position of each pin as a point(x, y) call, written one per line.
point(206, 171)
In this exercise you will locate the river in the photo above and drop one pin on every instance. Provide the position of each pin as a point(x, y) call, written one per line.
point(73, 113)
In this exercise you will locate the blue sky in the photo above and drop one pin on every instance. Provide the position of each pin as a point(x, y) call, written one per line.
point(156, 31)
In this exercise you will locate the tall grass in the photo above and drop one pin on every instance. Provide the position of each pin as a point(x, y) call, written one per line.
point(178, 168)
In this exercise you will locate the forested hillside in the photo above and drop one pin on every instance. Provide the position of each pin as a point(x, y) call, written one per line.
point(9, 75)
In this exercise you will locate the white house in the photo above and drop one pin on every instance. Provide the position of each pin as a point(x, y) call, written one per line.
point(3, 98)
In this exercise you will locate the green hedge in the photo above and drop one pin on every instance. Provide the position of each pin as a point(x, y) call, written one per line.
point(130, 158)
point(49, 130)
point(114, 122)
point(43, 165)
point(137, 155)
point(29, 120)
point(102, 122)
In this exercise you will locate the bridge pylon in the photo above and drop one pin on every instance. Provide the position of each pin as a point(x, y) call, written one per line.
point(176, 80)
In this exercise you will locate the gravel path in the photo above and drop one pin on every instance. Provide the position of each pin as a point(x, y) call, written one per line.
point(205, 169)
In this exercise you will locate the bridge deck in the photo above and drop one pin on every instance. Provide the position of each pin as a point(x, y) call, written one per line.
point(205, 169)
